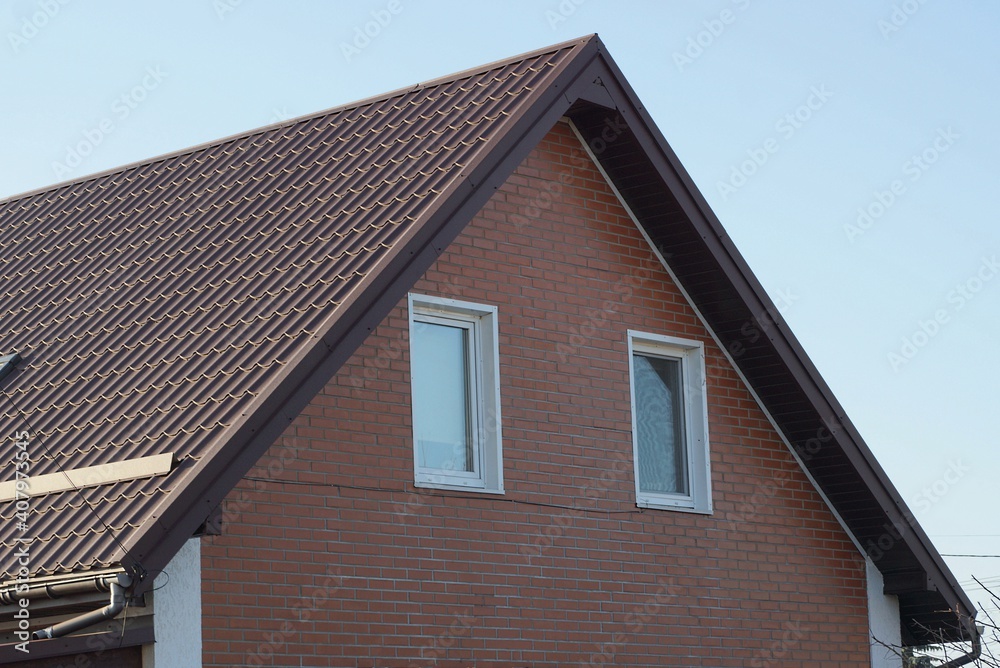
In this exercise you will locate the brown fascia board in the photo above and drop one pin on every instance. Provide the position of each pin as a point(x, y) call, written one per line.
point(242, 445)
point(738, 272)
point(237, 449)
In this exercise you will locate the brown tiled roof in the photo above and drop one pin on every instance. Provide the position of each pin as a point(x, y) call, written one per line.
point(159, 306)
point(195, 303)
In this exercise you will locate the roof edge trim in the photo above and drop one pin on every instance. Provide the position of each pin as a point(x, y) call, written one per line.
point(790, 350)
point(305, 374)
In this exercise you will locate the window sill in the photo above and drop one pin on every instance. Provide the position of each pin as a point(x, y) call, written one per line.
point(424, 484)
point(655, 504)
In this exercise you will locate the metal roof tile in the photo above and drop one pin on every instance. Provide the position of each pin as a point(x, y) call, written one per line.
point(154, 304)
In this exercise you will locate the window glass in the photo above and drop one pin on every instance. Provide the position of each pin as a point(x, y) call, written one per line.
point(659, 425)
point(455, 395)
point(669, 423)
point(441, 397)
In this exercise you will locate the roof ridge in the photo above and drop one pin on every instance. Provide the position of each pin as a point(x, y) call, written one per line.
point(246, 134)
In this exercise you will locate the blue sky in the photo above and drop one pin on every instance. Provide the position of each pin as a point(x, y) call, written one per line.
point(849, 149)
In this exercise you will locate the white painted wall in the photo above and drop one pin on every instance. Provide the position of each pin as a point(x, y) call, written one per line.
point(883, 620)
point(177, 612)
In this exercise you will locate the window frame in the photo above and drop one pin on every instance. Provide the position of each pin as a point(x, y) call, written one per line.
point(691, 355)
point(480, 321)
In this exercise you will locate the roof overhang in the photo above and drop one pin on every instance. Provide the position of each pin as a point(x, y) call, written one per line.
point(588, 87)
point(689, 236)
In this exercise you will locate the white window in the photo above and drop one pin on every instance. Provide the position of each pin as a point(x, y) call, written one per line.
point(669, 423)
point(455, 385)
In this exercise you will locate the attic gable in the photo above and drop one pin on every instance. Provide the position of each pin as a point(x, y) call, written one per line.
point(195, 303)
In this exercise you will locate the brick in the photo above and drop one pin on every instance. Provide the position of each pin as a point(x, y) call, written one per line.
point(369, 570)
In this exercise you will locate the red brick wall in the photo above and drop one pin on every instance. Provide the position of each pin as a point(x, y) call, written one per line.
point(345, 563)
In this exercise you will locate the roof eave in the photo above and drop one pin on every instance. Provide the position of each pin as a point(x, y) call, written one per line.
point(787, 348)
point(239, 448)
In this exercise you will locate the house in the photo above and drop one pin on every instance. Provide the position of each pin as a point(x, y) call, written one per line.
point(464, 374)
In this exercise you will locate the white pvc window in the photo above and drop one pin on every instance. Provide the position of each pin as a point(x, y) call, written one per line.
point(669, 422)
point(454, 380)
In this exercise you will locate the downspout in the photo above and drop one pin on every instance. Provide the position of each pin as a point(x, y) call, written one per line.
point(110, 611)
point(977, 649)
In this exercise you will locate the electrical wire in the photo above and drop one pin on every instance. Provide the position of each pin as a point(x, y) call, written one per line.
point(121, 639)
point(459, 495)
point(974, 556)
